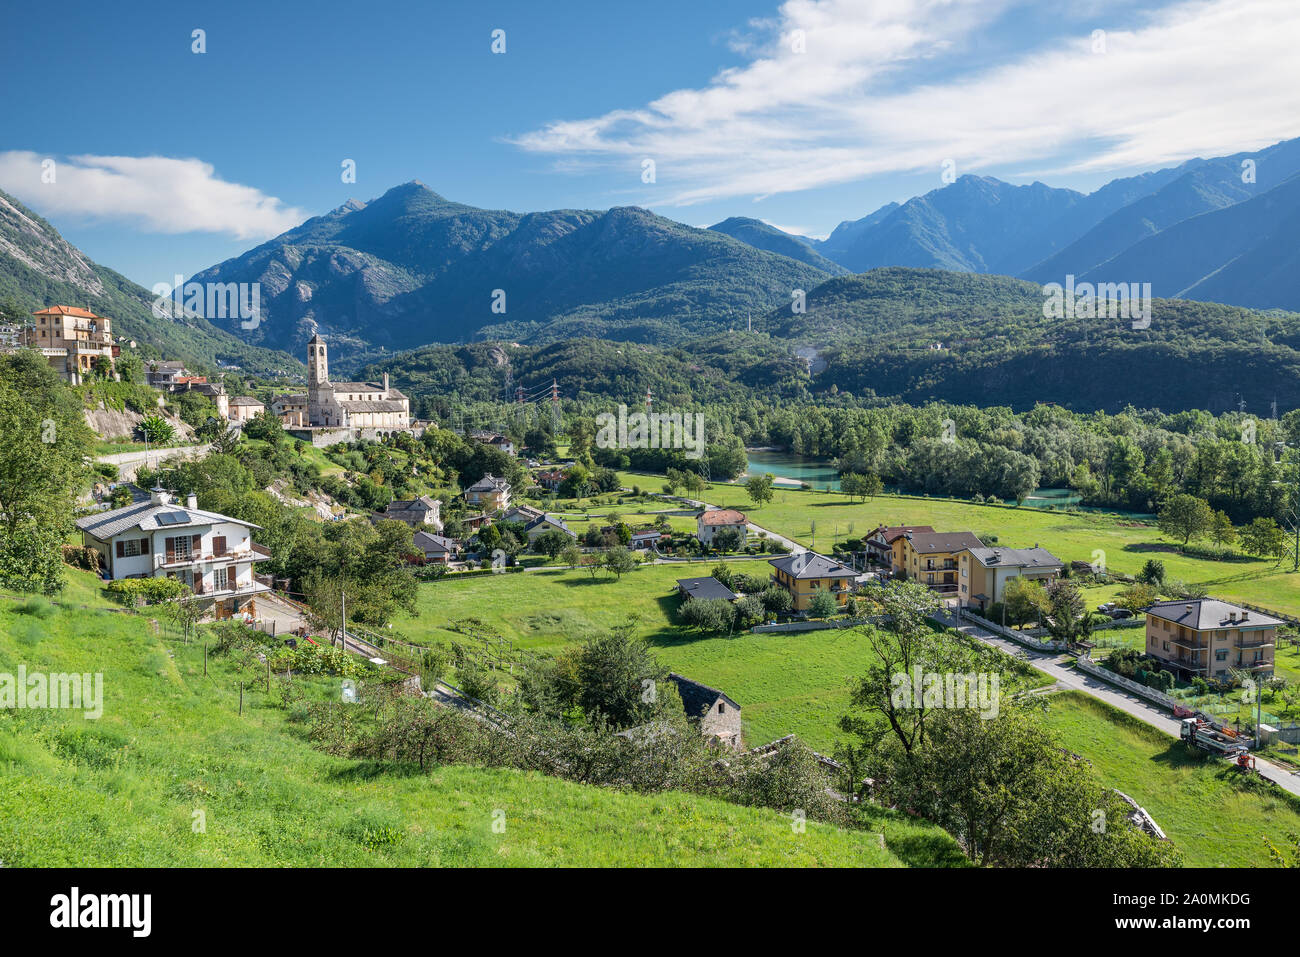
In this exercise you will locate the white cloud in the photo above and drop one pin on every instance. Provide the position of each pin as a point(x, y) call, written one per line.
point(159, 193)
point(882, 89)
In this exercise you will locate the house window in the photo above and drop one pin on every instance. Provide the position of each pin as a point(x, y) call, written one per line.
point(218, 545)
point(1221, 655)
point(722, 708)
point(1166, 646)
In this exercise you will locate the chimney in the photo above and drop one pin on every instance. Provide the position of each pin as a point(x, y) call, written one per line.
point(191, 501)
point(385, 382)
point(158, 496)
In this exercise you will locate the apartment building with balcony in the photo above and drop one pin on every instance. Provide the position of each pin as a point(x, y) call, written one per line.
point(934, 558)
point(1208, 638)
point(807, 574)
point(71, 339)
point(213, 554)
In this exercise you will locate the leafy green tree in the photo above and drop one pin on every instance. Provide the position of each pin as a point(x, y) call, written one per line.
point(551, 542)
point(759, 488)
point(1153, 572)
point(823, 605)
point(708, 615)
point(156, 429)
point(1222, 531)
point(618, 561)
point(1184, 517)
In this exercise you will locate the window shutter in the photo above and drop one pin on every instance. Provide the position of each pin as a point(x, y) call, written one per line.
point(144, 546)
point(121, 549)
point(196, 542)
point(170, 544)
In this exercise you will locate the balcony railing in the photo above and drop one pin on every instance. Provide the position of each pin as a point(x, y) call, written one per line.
point(254, 553)
point(248, 588)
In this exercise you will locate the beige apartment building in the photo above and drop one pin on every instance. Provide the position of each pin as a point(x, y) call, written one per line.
point(1209, 638)
point(806, 574)
point(71, 339)
point(933, 558)
point(983, 572)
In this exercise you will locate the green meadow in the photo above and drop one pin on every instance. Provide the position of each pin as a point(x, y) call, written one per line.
point(1204, 806)
point(172, 774)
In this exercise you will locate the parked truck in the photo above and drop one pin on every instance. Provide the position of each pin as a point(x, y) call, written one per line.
point(1222, 741)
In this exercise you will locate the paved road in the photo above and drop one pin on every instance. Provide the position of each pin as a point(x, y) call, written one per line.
point(128, 463)
point(1057, 666)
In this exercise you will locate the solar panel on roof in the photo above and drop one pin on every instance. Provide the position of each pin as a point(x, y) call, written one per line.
point(172, 518)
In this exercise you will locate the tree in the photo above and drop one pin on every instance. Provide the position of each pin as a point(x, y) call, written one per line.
point(120, 497)
point(823, 605)
point(571, 554)
point(1024, 599)
point(728, 539)
point(1153, 572)
point(1221, 530)
point(620, 677)
point(129, 367)
point(861, 485)
point(42, 453)
point(156, 429)
point(708, 615)
point(1263, 537)
point(1068, 617)
point(759, 488)
point(776, 599)
point(551, 542)
point(265, 426)
point(1137, 597)
point(1185, 517)
point(618, 561)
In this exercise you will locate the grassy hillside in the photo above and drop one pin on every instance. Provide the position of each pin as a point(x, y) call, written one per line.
point(124, 790)
point(1203, 806)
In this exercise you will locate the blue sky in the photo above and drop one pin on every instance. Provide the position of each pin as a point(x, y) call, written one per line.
point(802, 113)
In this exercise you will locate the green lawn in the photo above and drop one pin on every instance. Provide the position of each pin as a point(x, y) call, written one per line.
point(785, 682)
point(1203, 806)
point(123, 790)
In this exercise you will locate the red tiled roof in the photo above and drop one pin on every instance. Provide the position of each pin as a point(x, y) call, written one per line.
point(722, 516)
point(67, 311)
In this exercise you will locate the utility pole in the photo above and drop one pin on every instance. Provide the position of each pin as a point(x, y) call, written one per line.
point(343, 614)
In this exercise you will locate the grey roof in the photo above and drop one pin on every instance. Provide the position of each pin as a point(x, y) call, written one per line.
point(812, 565)
point(488, 483)
point(924, 542)
point(698, 699)
point(428, 542)
point(422, 504)
point(144, 515)
point(245, 400)
point(706, 588)
point(1016, 557)
point(553, 522)
point(1203, 614)
point(358, 386)
point(373, 405)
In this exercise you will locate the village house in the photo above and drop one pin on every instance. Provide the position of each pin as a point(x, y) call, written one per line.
point(420, 513)
point(1208, 638)
point(806, 574)
point(498, 441)
point(437, 549)
point(244, 408)
point(545, 524)
point(489, 493)
point(162, 374)
point(522, 513)
point(707, 589)
point(932, 558)
point(646, 538)
point(708, 523)
point(716, 715)
point(211, 553)
point(550, 479)
point(71, 340)
point(292, 410)
point(985, 572)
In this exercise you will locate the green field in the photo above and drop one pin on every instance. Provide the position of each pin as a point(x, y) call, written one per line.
point(791, 682)
point(1126, 542)
point(1202, 805)
point(123, 790)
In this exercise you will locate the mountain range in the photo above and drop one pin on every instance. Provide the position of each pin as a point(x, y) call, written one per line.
point(412, 267)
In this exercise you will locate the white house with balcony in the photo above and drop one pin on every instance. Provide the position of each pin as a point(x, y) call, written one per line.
point(211, 553)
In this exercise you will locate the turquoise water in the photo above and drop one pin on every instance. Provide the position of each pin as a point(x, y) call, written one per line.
point(818, 473)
